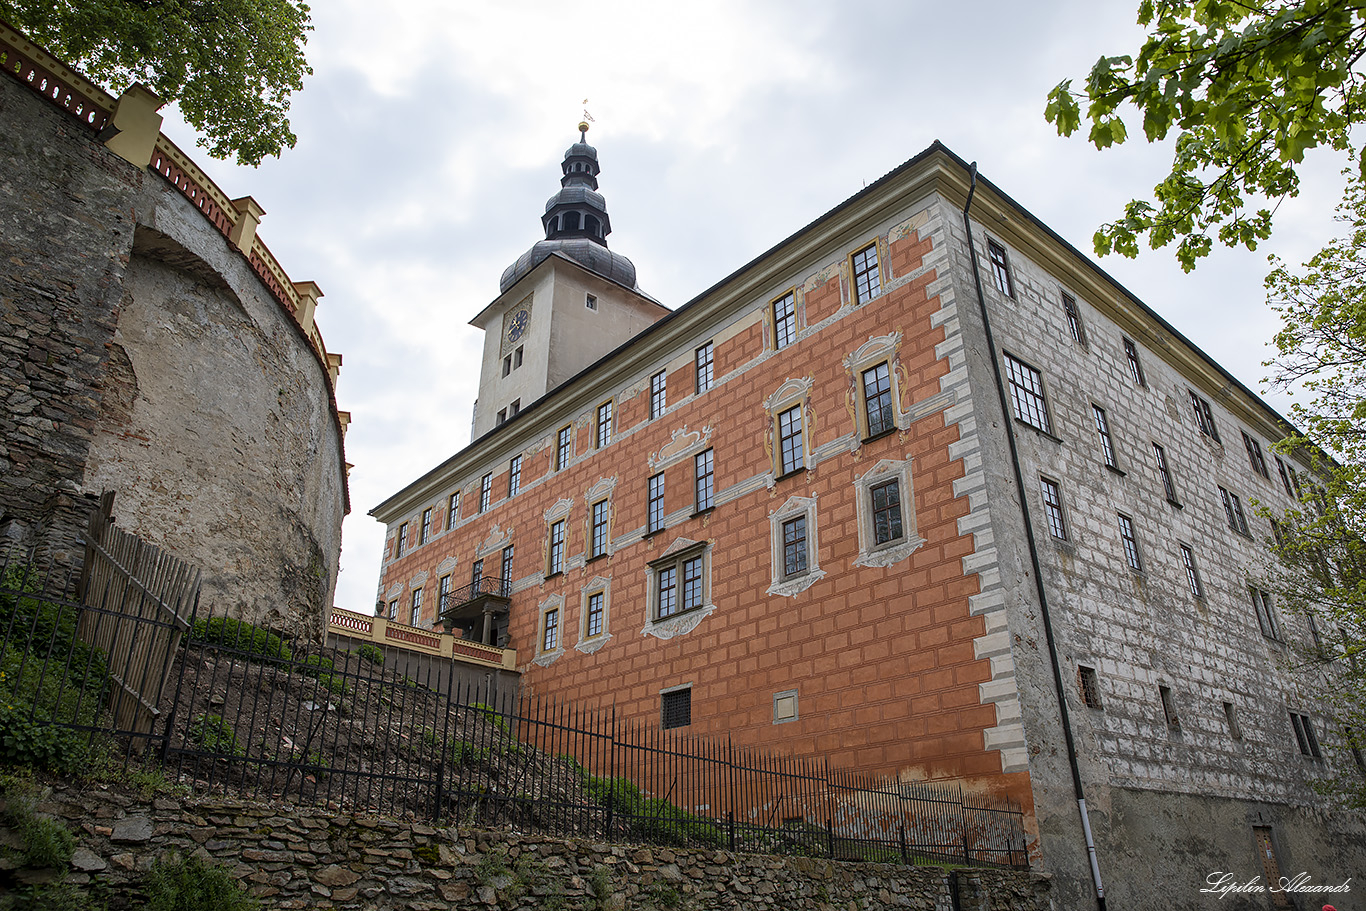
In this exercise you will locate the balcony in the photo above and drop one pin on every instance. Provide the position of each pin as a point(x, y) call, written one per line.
point(477, 607)
point(383, 631)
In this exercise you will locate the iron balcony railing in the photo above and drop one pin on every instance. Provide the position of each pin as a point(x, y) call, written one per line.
point(487, 587)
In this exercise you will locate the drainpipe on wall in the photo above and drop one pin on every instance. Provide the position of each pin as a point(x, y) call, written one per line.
point(1033, 549)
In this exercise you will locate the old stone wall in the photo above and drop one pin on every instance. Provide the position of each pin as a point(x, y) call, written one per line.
point(308, 858)
point(140, 353)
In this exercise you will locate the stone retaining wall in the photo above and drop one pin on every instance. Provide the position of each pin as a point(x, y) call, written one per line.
point(311, 858)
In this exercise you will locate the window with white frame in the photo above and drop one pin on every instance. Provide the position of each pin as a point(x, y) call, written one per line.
point(485, 491)
point(514, 475)
point(595, 615)
point(794, 536)
point(1000, 268)
point(658, 400)
point(443, 595)
point(703, 481)
point(867, 283)
point(1233, 512)
point(1052, 508)
point(415, 614)
point(678, 589)
point(597, 532)
point(884, 505)
point(791, 451)
point(703, 359)
point(654, 516)
point(550, 630)
point(877, 400)
point(1027, 394)
point(784, 320)
point(604, 425)
point(401, 540)
point(452, 510)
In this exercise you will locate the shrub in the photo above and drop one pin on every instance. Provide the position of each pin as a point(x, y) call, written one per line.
point(491, 715)
point(57, 897)
point(177, 883)
point(214, 735)
point(371, 653)
point(257, 642)
point(321, 668)
point(45, 843)
point(650, 818)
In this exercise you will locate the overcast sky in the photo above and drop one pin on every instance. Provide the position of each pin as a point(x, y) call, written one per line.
point(430, 136)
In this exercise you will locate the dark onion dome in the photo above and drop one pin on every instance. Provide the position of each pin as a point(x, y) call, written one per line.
point(576, 223)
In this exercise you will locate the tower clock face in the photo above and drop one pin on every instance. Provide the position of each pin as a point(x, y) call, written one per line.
point(517, 325)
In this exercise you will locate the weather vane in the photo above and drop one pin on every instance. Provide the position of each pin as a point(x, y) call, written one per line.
point(583, 124)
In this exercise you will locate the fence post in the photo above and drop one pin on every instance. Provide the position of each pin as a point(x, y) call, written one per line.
point(438, 798)
point(905, 856)
point(829, 812)
point(730, 818)
point(611, 774)
point(963, 811)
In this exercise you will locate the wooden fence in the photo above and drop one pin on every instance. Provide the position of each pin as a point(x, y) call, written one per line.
point(125, 578)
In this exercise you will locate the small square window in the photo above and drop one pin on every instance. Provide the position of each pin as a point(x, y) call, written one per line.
point(1074, 326)
point(1026, 394)
point(784, 706)
point(704, 361)
point(514, 409)
point(784, 321)
point(867, 284)
point(1089, 687)
point(791, 455)
point(1052, 508)
point(502, 417)
point(424, 533)
point(877, 400)
point(1135, 365)
point(704, 478)
point(1000, 268)
point(590, 301)
point(675, 708)
point(657, 395)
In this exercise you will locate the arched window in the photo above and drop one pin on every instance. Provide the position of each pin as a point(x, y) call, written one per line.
point(570, 220)
point(590, 224)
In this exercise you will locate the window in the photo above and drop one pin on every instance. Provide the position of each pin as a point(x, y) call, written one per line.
point(514, 476)
point(1192, 576)
point(657, 399)
point(393, 609)
point(515, 408)
point(679, 587)
point(1026, 394)
point(1233, 512)
point(794, 547)
point(703, 472)
point(593, 622)
point(1069, 307)
point(1266, 613)
point(785, 710)
point(1254, 456)
point(1169, 708)
point(507, 566)
point(1000, 268)
point(784, 321)
point(655, 509)
point(1304, 735)
point(1135, 365)
point(867, 284)
point(452, 510)
point(1168, 485)
point(563, 448)
point(877, 400)
point(1235, 731)
point(416, 613)
point(790, 451)
point(675, 708)
point(1052, 508)
point(887, 512)
point(597, 542)
point(550, 630)
point(401, 540)
point(704, 359)
point(1204, 417)
point(1089, 686)
point(1126, 534)
point(507, 365)
point(424, 532)
point(443, 595)
point(517, 358)
point(604, 423)
point(556, 565)
point(590, 301)
point(485, 491)
point(1107, 445)
point(476, 574)
point(502, 417)
point(1285, 477)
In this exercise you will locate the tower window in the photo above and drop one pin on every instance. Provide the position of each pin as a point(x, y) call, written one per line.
point(570, 221)
point(590, 224)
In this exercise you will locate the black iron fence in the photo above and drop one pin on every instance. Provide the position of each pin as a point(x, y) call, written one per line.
point(246, 712)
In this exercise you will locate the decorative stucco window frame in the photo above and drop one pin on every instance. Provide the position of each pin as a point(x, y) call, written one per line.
point(599, 493)
point(546, 657)
point(557, 513)
point(587, 644)
point(788, 586)
point(681, 550)
point(877, 349)
point(793, 393)
point(870, 552)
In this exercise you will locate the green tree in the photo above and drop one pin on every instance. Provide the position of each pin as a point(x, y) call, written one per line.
point(230, 65)
point(1321, 546)
point(1248, 87)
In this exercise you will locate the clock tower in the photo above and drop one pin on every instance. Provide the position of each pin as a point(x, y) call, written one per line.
point(563, 304)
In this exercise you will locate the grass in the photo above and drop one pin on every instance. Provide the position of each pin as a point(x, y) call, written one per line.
point(180, 883)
